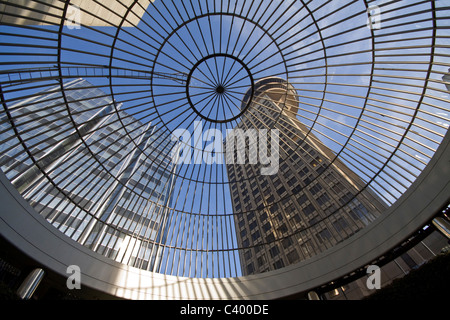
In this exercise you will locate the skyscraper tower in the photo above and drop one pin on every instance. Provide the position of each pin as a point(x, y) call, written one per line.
point(311, 203)
point(99, 175)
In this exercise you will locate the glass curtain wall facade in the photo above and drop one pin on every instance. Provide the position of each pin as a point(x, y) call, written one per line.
point(98, 175)
point(311, 203)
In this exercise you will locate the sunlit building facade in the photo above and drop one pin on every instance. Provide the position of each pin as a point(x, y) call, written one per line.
point(99, 175)
point(78, 12)
point(311, 203)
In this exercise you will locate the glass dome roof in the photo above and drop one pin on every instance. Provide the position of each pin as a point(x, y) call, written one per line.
point(117, 122)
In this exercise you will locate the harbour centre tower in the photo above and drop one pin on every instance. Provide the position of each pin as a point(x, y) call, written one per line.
point(309, 204)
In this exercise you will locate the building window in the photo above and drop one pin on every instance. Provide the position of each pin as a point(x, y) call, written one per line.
point(274, 208)
point(263, 216)
point(297, 189)
point(250, 268)
point(324, 235)
point(270, 237)
point(286, 243)
point(340, 224)
point(281, 190)
point(283, 229)
point(307, 180)
point(256, 236)
point(296, 218)
point(323, 199)
point(303, 172)
point(292, 256)
point(292, 181)
point(261, 260)
point(302, 199)
point(346, 198)
point(291, 209)
point(278, 264)
point(309, 209)
point(315, 189)
point(274, 251)
point(276, 182)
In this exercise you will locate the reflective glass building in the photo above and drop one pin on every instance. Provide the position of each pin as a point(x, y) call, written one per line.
point(107, 187)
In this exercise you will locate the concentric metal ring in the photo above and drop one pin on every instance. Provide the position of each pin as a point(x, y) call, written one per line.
point(222, 99)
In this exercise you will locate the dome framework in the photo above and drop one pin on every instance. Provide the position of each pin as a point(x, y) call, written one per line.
point(369, 83)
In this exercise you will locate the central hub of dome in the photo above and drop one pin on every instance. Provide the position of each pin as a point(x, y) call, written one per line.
point(216, 85)
point(220, 89)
